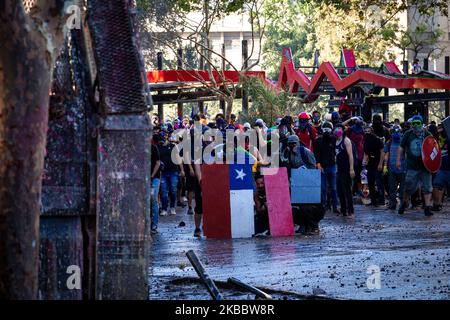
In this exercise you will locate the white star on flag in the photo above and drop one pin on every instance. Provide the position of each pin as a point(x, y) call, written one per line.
point(240, 174)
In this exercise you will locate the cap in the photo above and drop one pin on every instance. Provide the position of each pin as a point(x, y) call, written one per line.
point(293, 139)
point(247, 125)
point(259, 122)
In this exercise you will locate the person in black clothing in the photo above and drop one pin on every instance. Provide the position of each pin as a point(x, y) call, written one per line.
point(325, 154)
point(345, 170)
point(379, 129)
point(373, 162)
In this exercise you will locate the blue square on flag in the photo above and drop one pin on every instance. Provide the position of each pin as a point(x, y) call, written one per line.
point(241, 177)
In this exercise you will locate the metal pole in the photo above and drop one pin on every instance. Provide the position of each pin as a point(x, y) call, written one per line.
point(200, 104)
point(207, 281)
point(160, 67)
point(424, 105)
point(245, 66)
point(405, 106)
point(222, 101)
point(386, 107)
point(180, 67)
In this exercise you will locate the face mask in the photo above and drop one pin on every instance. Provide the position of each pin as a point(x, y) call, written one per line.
point(339, 133)
point(302, 125)
point(417, 129)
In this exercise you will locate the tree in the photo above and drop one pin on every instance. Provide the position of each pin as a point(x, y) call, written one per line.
point(288, 24)
point(370, 27)
point(424, 37)
point(30, 42)
point(267, 103)
point(174, 28)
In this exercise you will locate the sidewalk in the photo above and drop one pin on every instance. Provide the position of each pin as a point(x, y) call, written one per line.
point(412, 252)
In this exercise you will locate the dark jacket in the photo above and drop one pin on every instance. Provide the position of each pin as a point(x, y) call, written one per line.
point(325, 150)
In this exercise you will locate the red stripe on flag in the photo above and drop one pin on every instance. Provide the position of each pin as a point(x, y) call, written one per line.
point(278, 202)
point(216, 201)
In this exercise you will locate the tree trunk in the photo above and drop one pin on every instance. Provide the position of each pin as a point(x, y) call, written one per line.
point(229, 109)
point(25, 76)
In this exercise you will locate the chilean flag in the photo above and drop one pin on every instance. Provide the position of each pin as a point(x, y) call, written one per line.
point(227, 194)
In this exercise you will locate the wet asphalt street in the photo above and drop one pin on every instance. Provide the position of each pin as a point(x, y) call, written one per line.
point(411, 252)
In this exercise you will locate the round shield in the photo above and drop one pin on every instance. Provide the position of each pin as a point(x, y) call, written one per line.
point(431, 154)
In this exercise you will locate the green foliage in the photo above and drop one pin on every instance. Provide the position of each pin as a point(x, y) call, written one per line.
point(288, 24)
point(266, 103)
point(370, 27)
point(225, 6)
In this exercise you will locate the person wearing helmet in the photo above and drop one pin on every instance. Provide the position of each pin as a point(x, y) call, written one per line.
point(305, 131)
point(325, 154)
point(416, 173)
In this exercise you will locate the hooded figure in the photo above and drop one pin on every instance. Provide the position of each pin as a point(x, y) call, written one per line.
point(335, 118)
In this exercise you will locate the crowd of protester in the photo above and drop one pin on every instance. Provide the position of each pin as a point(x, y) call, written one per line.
point(357, 159)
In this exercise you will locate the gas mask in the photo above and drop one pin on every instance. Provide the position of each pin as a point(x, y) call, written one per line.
point(302, 124)
point(417, 127)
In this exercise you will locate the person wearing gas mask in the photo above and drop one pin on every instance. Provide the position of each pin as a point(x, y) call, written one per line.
point(416, 173)
point(295, 155)
point(325, 154)
point(317, 122)
point(396, 176)
point(373, 162)
point(305, 131)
